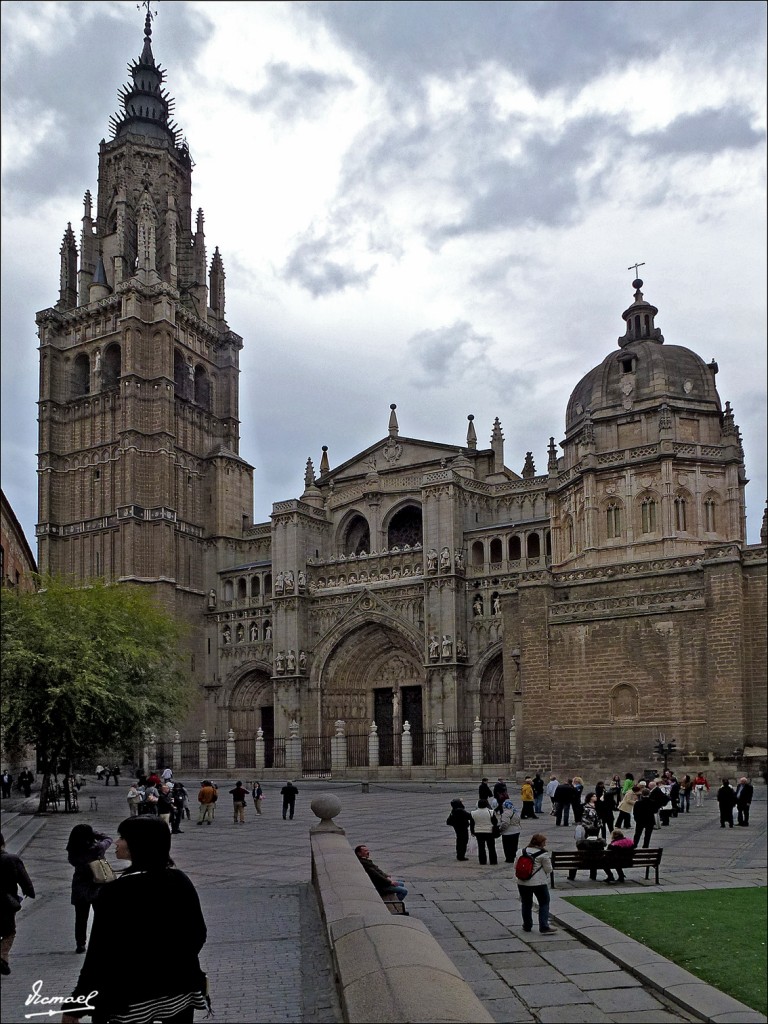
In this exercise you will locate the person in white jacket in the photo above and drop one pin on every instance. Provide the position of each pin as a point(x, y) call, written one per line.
point(485, 820)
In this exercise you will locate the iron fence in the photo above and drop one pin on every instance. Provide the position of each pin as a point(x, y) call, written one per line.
point(217, 754)
point(495, 745)
point(459, 746)
point(315, 756)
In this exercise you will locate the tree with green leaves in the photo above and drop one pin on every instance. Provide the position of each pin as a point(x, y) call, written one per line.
point(85, 668)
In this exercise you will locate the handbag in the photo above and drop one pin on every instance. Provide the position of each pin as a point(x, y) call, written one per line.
point(495, 830)
point(101, 871)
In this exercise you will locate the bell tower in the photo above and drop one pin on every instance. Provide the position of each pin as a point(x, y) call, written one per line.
point(138, 460)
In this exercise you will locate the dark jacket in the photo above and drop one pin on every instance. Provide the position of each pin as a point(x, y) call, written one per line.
point(460, 819)
point(239, 795)
point(13, 876)
point(484, 791)
point(644, 812)
point(83, 885)
point(744, 794)
point(156, 906)
point(726, 797)
point(563, 793)
point(289, 793)
point(658, 798)
point(376, 875)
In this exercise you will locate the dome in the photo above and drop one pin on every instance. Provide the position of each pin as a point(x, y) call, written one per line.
point(644, 374)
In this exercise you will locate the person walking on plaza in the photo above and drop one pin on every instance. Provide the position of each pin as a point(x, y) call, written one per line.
point(26, 778)
point(484, 791)
point(624, 817)
point(289, 793)
point(686, 788)
point(115, 774)
point(84, 846)
point(152, 898)
point(563, 801)
point(206, 798)
point(744, 792)
point(257, 793)
point(578, 789)
point(535, 884)
point(726, 799)
point(538, 794)
point(485, 825)
point(526, 796)
point(509, 826)
point(551, 789)
point(644, 814)
point(134, 799)
point(500, 792)
point(700, 787)
point(239, 796)
point(13, 876)
point(461, 822)
point(6, 781)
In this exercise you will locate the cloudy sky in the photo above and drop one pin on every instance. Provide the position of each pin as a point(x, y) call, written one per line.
point(428, 203)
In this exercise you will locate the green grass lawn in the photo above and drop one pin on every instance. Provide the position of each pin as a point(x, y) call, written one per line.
point(717, 934)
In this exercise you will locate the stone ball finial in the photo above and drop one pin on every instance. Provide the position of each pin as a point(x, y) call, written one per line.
point(326, 807)
point(637, 283)
point(470, 417)
point(393, 407)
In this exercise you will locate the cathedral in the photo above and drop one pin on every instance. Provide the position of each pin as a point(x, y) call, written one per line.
point(423, 590)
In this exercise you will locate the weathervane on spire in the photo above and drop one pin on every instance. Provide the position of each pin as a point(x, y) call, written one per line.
point(151, 15)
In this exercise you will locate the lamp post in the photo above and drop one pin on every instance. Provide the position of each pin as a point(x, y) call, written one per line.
point(664, 749)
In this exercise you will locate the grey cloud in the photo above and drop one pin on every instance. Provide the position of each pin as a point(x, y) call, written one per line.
point(550, 44)
point(313, 265)
point(445, 350)
point(708, 131)
point(291, 92)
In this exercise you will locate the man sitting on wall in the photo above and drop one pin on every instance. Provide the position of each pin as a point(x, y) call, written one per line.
point(384, 883)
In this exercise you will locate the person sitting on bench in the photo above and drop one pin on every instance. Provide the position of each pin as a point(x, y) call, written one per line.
point(384, 883)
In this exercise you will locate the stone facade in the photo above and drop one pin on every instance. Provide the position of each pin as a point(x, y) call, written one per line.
point(17, 563)
point(597, 604)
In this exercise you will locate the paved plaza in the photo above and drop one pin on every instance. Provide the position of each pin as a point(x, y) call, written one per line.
point(266, 956)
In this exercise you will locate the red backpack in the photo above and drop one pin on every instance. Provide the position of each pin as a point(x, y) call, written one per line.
point(526, 865)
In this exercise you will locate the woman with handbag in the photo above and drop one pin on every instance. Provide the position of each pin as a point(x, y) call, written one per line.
point(486, 832)
point(152, 901)
point(83, 848)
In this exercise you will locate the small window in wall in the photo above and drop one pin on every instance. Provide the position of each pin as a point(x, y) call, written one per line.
point(242, 591)
point(648, 516)
point(533, 546)
point(710, 523)
point(255, 586)
point(202, 388)
point(478, 553)
point(229, 591)
point(680, 515)
point(496, 550)
point(628, 365)
point(268, 585)
point(515, 549)
point(81, 376)
point(613, 521)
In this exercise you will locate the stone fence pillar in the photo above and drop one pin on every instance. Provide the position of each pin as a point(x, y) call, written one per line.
point(259, 743)
point(477, 744)
point(293, 749)
point(513, 744)
point(373, 746)
point(176, 757)
point(441, 746)
point(407, 746)
point(339, 747)
point(231, 751)
point(202, 748)
point(152, 753)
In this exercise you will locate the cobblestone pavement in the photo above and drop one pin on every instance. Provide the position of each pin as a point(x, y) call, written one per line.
point(266, 955)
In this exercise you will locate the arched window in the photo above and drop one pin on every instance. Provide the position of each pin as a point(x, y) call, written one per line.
point(111, 367)
point(533, 546)
point(268, 585)
point(680, 514)
point(613, 521)
point(496, 550)
point(515, 549)
point(357, 537)
point(648, 516)
point(548, 544)
point(229, 591)
point(710, 522)
point(81, 376)
point(242, 589)
point(478, 553)
point(179, 374)
point(405, 527)
point(202, 388)
point(255, 586)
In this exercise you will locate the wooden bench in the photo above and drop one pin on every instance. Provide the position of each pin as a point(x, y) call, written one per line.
point(394, 904)
point(606, 860)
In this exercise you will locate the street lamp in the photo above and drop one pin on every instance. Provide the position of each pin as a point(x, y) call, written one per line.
point(664, 749)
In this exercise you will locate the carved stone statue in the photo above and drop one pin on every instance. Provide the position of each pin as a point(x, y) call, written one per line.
point(496, 606)
point(240, 632)
point(302, 661)
point(280, 583)
point(445, 559)
point(226, 635)
point(458, 559)
point(461, 650)
point(211, 598)
point(431, 560)
point(302, 580)
point(289, 582)
point(447, 645)
point(280, 663)
point(267, 631)
point(290, 661)
point(253, 632)
point(477, 605)
point(434, 648)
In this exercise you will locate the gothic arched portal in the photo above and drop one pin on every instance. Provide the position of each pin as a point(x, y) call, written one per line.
point(251, 707)
point(493, 712)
